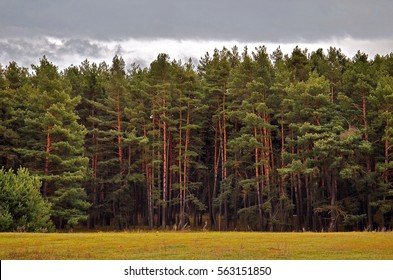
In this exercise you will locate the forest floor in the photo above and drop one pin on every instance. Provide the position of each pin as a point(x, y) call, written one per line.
point(197, 245)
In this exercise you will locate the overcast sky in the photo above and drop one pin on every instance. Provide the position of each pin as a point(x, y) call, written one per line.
point(68, 31)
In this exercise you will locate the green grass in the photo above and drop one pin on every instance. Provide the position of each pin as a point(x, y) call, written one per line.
point(197, 245)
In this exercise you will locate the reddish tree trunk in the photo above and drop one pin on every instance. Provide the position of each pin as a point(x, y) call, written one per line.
point(364, 111)
point(259, 200)
point(282, 151)
point(386, 173)
point(185, 160)
point(225, 138)
point(165, 170)
point(181, 218)
point(119, 140)
point(46, 168)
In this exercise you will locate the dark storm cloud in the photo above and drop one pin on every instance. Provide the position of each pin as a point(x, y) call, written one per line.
point(245, 20)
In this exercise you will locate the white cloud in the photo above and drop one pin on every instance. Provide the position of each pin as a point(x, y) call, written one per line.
point(64, 52)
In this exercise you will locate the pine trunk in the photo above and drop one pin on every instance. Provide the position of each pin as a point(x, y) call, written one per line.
point(257, 185)
point(364, 112)
point(282, 152)
point(216, 162)
point(94, 155)
point(333, 198)
point(386, 173)
point(165, 170)
point(150, 180)
point(181, 218)
point(119, 140)
point(46, 167)
point(222, 173)
point(185, 160)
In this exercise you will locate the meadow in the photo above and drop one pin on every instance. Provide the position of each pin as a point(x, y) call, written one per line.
point(197, 245)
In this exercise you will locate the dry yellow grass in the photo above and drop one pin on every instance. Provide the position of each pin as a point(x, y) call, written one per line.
point(197, 245)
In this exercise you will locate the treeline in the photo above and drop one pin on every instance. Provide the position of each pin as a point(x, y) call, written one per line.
point(242, 141)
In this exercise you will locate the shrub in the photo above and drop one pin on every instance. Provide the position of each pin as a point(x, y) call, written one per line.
point(22, 207)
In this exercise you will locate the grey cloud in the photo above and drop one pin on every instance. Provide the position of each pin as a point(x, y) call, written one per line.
point(82, 47)
point(99, 29)
point(246, 20)
point(27, 51)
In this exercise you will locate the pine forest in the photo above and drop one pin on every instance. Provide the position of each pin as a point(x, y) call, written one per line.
point(242, 140)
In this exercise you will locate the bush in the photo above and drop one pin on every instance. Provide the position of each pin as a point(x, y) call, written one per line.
point(22, 207)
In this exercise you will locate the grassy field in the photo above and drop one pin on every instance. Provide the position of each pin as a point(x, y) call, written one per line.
point(197, 245)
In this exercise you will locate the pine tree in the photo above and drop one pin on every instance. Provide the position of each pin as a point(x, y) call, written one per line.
point(13, 79)
point(382, 100)
point(22, 207)
point(136, 112)
point(52, 138)
point(215, 72)
point(359, 83)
